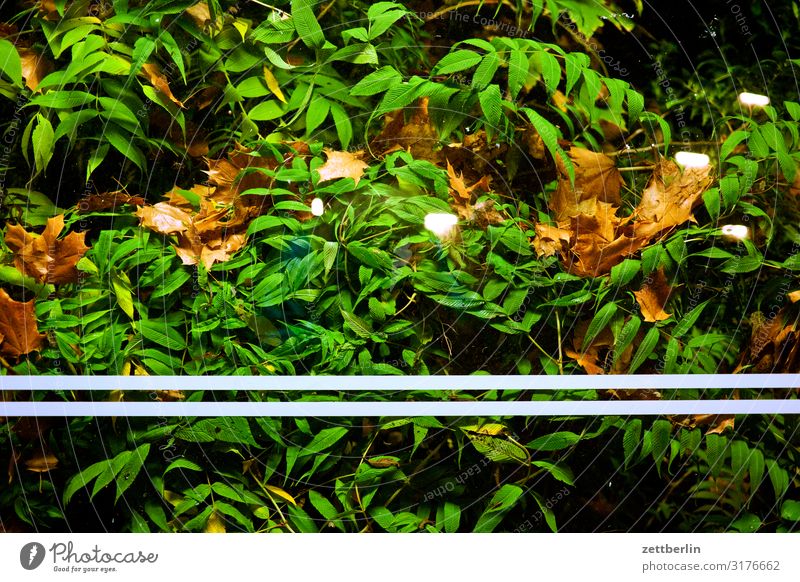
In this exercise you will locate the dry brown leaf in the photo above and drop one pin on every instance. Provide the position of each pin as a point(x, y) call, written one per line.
point(669, 198)
point(653, 297)
point(596, 178)
point(587, 360)
point(42, 462)
point(794, 296)
point(164, 218)
point(35, 67)
point(417, 135)
point(342, 165)
point(159, 82)
point(550, 240)
point(721, 424)
point(106, 201)
point(44, 257)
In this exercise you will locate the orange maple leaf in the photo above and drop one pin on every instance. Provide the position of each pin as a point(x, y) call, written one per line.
point(44, 257)
point(653, 297)
point(342, 165)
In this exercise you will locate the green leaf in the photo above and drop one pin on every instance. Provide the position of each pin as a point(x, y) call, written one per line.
point(121, 286)
point(635, 105)
point(300, 519)
point(456, 61)
point(324, 439)
point(306, 25)
point(551, 71)
point(10, 63)
point(83, 479)
point(231, 429)
point(686, 323)
point(318, 110)
point(491, 105)
point(747, 523)
point(344, 127)
point(325, 508)
point(790, 510)
point(645, 349)
point(42, 141)
point(661, 431)
point(131, 469)
point(757, 467)
point(624, 273)
point(267, 111)
point(517, 72)
point(485, 71)
point(555, 441)
point(626, 336)
point(452, 517)
point(376, 82)
point(500, 503)
point(557, 470)
point(161, 333)
point(779, 478)
point(599, 323)
point(631, 439)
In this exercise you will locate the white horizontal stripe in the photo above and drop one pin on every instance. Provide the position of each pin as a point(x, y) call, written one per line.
point(401, 409)
point(397, 383)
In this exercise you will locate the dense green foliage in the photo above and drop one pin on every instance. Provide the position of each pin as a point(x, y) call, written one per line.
point(138, 99)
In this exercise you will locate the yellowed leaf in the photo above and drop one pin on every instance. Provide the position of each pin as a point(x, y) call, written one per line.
point(159, 82)
point(280, 493)
point(273, 85)
point(215, 523)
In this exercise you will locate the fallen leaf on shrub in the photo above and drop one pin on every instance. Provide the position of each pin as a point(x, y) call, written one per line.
point(106, 201)
point(35, 67)
point(43, 256)
point(653, 297)
point(342, 165)
point(42, 462)
point(549, 240)
point(382, 462)
point(721, 424)
point(159, 82)
point(597, 244)
point(596, 178)
point(164, 218)
point(669, 198)
point(417, 135)
point(482, 213)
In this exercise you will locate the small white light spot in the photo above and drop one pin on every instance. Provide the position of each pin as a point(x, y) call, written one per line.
point(736, 231)
point(753, 100)
point(441, 224)
point(317, 207)
point(692, 160)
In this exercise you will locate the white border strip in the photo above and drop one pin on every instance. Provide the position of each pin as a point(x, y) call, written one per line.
point(401, 409)
point(400, 383)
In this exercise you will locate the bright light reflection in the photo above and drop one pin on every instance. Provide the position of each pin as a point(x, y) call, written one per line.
point(753, 100)
point(441, 224)
point(317, 207)
point(736, 231)
point(692, 160)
